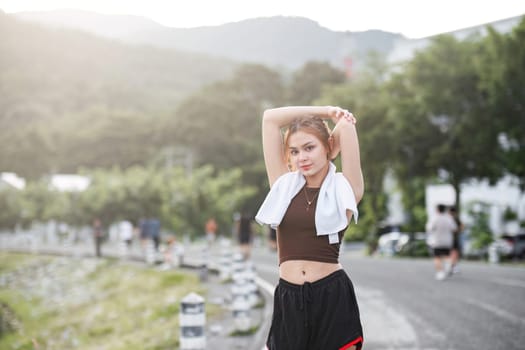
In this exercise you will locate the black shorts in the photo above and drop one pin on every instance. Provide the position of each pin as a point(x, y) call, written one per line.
point(440, 251)
point(245, 238)
point(322, 315)
point(455, 242)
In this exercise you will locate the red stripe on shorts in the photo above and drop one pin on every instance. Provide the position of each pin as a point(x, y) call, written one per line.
point(352, 343)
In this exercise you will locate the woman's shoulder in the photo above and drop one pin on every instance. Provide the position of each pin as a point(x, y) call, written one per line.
point(287, 176)
point(340, 179)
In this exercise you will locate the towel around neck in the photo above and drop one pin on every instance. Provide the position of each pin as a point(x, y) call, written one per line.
point(335, 197)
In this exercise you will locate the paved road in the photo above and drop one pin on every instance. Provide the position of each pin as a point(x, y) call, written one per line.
point(403, 307)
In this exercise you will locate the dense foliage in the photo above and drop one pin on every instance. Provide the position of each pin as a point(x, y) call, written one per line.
point(72, 100)
point(178, 136)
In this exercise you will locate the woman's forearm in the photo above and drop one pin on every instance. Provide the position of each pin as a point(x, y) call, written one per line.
point(345, 137)
point(283, 116)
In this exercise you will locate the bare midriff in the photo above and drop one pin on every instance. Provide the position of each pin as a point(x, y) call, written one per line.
point(301, 271)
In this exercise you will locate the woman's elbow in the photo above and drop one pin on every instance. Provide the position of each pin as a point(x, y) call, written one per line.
point(359, 195)
point(359, 192)
point(268, 113)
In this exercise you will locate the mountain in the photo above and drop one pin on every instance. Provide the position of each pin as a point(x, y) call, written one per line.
point(276, 41)
point(45, 62)
point(71, 99)
point(104, 25)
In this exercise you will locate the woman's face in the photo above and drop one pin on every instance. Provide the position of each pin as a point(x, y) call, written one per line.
point(307, 153)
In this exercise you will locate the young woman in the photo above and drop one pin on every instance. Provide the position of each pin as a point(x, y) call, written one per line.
point(311, 206)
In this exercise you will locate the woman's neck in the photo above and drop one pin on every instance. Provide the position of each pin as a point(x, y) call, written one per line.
point(317, 179)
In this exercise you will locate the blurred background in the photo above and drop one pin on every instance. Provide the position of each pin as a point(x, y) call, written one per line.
point(117, 117)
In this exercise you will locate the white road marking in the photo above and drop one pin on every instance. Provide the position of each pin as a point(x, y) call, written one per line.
point(509, 282)
point(382, 323)
point(267, 286)
point(496, 311)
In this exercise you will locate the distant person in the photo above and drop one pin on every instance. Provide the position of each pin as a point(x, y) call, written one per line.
point(154, 229)
point(211, 230)
point(169, 250)
point(125, 231)
point(245, 234)
point(311, 205)
point(272, 238)
point(440, 230)
point(98, 236)
point(144, 232)
point(455, 252)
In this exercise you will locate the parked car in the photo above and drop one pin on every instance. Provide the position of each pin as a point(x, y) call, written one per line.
point(511, 246)
point(392, 242)
point(417, 246)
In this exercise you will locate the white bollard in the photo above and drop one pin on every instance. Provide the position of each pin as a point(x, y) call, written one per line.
point(252, 290)
point(192, 320)
point(241, 303)
point(237, 265)
point(123, 250)
point(34, 244)
point(241, 308)
point(203, 273)
point(179, 253)
point(149, 252)
point(493, 254)
point(225, 263)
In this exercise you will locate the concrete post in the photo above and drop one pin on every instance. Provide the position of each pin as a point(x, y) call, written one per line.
point(493, 254)
point(192, 320)
point(122, 249)
point(252, 290)
point(149, 252)
point(240, 301)
point(203, 275)
point(225, 265)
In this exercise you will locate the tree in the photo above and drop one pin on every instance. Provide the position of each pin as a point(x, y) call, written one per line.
point(440, 116)
point(307, 83)
point(71, 99)
point(11, 208)
point(366, 98)
point(502, 72)
point(221, 123)
point(193, 200)
point(29, 150)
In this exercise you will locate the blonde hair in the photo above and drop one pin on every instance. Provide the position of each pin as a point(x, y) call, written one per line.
point(312, 125)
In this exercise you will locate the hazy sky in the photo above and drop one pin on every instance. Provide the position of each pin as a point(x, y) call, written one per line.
point(413, 18)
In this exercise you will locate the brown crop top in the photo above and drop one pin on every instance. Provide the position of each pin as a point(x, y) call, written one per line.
point(296, 235)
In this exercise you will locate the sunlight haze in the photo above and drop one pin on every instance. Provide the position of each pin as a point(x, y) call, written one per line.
point(412, 18)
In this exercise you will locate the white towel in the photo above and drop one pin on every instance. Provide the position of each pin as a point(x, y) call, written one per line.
point(335, 197)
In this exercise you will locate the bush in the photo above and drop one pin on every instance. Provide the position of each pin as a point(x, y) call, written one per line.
point(480, 231)
point(415, 248)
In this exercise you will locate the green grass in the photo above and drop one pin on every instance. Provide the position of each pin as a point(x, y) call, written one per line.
point(12, 261)
point(109, 306)
point(245, 333)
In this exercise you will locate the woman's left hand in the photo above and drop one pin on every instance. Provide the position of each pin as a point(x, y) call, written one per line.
point(338, 113)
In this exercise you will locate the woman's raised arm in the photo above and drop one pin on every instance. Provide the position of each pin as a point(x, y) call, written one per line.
point(345, 139)
point(273, 147)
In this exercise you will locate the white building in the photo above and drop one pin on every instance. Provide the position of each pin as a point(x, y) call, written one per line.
point(504, 194)
point(405, 49)
point(12, 180)
point(69, 183)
